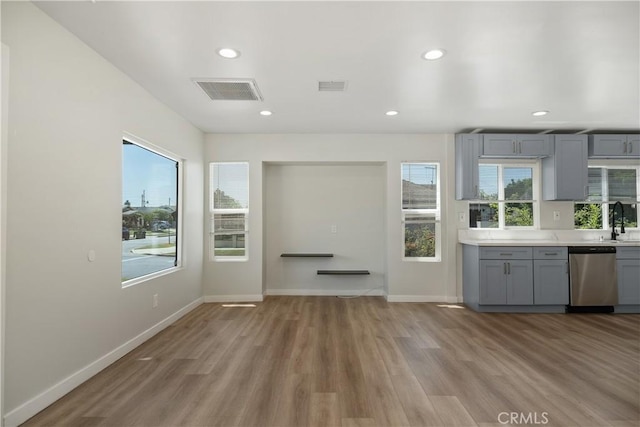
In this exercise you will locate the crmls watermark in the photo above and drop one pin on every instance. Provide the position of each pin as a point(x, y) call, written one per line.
point(515, 418)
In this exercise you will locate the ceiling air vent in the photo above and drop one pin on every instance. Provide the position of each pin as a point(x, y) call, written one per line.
point(230, 89)
point(332, 86)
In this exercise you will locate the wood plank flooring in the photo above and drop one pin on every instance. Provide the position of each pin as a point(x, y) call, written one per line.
point(326, 361)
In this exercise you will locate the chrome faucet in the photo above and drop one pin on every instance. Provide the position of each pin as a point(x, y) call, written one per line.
point(613, 220)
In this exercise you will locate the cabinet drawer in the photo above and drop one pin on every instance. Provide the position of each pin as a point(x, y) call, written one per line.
point(550, 252)
point(505, 252)
point(628, 252)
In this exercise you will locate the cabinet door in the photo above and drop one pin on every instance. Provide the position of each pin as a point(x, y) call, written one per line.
point(467, 175)
point(493, 282)
point(519, 283)
point(550, 282)
point(565, 173)
point(633, 146)
point(607, 145)
point(499, 145)
point(628, 283)
point(533, 145)
point(510, 145)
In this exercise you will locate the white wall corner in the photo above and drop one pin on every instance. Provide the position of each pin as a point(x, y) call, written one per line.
point(233, 298)
point(30, 408)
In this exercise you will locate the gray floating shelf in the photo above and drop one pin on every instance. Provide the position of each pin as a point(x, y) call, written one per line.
point(344, 272)
point(294, 255)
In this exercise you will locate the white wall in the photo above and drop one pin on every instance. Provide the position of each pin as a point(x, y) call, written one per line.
point(68, 108)
point(412, 281)
point(319, 208)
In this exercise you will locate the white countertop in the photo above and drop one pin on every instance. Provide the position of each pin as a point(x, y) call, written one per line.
point(542, 242)
point(493, 237)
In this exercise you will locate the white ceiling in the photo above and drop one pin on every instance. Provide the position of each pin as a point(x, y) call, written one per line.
point(579, 60)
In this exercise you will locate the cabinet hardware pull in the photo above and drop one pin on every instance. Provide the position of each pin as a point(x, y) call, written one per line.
point(514, 147)
point(624, 150)
point(630, 147)
point(520, 147)
point(508, 268)
point(506, 254)
point(504, 268)
point(551, 253)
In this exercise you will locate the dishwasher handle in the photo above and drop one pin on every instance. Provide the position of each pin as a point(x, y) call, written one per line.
point(592, 249)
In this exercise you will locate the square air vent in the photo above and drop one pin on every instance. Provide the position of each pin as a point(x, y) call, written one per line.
point(230, 89)
point(332, 86)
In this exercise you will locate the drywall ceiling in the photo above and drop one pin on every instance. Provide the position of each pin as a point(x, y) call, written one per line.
point(578, 60)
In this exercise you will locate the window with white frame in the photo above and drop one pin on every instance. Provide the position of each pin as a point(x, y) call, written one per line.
point(421, 211)
point(507, 197)
point(150, 212)
point(229, 211)
point(608, 185)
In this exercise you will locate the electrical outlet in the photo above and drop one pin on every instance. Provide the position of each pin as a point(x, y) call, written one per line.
point(556, 215)
point(461, 217)
point(155, 300)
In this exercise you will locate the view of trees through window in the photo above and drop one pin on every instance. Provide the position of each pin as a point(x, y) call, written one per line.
point(608, 185)
point(506, 194)
point(420, 210)
point(149, 211)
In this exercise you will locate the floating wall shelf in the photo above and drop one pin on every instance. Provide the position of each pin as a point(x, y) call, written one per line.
point(344, 272)
point(294, 255)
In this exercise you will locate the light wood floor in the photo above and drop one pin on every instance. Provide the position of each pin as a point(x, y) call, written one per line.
point(325, 361)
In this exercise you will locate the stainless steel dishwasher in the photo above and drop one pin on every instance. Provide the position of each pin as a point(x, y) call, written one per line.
point(593, 280)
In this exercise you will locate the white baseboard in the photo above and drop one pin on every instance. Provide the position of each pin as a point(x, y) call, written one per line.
point(32, 407)
point(324, 292)
point(422, 298)
point(233, 298)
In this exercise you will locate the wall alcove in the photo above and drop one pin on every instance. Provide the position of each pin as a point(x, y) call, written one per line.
point(325, 208)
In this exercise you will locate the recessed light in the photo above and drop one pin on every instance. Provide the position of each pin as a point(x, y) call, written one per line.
point(391, 113)
point(540, 113)
point(265, 113)
point(433, 54)
point(228, 53)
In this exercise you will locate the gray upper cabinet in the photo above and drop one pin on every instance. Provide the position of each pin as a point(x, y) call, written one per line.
point(467, 175)
point(614, 146)
point(516, 145)
point(565, 172)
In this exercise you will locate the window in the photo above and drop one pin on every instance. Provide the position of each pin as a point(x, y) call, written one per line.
point(607, 185)
point(150, 214)
point(421, 211)
point(229, 211)
point(507, 197)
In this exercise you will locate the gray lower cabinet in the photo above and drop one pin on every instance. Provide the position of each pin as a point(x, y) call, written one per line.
point(506, 282)
point(628, 269)
point(515, 278)
point(550, 276)
point(497, 276)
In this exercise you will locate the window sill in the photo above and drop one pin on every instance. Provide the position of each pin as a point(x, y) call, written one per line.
point(229, 259)
point(421, 259)
point(151, 276)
